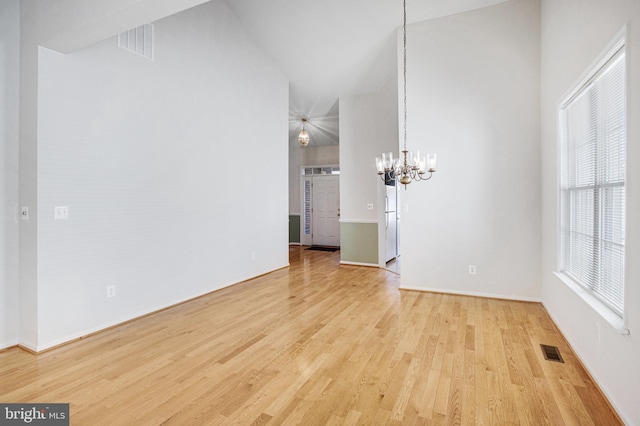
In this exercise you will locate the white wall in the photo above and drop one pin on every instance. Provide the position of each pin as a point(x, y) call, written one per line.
point(473, 98)
point(9, 80)
point(358, 148)
point(368, 127)
point(144, 154)
point(574, 35)
point(65, 25)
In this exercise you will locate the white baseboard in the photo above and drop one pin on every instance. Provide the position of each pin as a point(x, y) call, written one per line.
point(9, 344)
point(372, 265)
point(471, 293)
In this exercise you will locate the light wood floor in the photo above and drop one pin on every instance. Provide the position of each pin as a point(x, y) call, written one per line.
point(315, 344)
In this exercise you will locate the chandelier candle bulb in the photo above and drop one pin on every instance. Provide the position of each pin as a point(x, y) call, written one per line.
point(431, 162)
point(387, 159)
point(416, 158)
point(422, 165)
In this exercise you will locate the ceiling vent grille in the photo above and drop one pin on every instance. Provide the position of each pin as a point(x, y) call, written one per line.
point(138, 40)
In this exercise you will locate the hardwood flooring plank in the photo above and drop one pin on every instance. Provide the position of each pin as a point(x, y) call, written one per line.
point(317, 343)
point(600, 412)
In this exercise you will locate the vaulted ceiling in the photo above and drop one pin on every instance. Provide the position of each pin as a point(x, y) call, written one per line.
point(325, 48)
point(333, 48)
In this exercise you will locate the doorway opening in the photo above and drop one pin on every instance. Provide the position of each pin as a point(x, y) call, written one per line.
point(320, 195)
point(391, 224)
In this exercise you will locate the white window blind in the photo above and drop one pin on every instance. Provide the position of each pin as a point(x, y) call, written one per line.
point(593, 169)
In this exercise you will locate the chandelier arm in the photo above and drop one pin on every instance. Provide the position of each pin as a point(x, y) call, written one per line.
point(425, 178)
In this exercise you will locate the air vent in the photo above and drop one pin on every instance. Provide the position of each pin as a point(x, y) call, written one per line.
point(551, 353)
point(138, 40)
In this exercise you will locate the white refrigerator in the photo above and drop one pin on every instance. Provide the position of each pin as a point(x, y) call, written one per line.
point(391, 219)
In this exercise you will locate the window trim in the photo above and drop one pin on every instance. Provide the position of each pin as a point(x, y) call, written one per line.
point(619, 42)
point(608, 55)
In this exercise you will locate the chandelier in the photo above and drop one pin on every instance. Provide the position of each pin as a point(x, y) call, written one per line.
point(412, 166)
point(303, 137)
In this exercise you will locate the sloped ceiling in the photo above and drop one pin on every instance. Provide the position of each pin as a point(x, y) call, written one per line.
point(333, 48)
point(326, 48)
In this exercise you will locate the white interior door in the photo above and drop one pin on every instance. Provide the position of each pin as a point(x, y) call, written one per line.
point(326, 211)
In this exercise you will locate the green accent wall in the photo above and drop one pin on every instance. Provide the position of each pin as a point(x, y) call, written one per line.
point(359, 242)
point(294, 228)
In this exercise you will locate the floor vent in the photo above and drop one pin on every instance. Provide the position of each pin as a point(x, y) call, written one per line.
point(551, 353)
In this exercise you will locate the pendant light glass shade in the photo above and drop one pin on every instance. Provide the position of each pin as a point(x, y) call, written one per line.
point(303, 138)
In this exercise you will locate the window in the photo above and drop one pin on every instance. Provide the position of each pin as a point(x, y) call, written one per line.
point(313, 171)
point(593, 169)
point(306, 201)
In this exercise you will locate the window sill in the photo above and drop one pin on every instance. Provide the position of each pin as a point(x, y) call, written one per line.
point(600, 308)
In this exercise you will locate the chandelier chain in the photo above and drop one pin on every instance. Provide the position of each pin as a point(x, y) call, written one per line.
point(404, 71)
point(409, 166)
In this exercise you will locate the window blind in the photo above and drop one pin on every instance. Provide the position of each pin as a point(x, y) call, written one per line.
point(593, 169)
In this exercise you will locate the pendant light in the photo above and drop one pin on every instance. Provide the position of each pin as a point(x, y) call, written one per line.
point(303, 138)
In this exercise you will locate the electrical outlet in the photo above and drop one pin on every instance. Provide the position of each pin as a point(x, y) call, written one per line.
point(111, 291)
point(253, 255)
point(472, 269)
point(24, 213)
point(370, 206)
point(61, 212)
